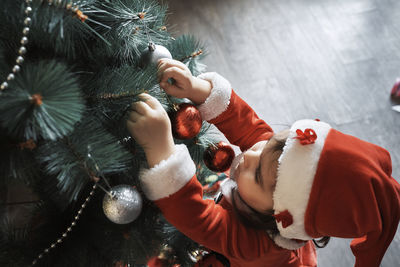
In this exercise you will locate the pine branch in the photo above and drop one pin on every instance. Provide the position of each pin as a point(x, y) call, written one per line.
point(70, 162)
point(134, 243)
point(69, 32)
point(4, 68)
point(44, 102)
point(190, 51)
point(122, 81)
point(15, 238)
point(133, 24)
point(17, 162)
point(179, 247)
point(207, 135)
point(113, 90)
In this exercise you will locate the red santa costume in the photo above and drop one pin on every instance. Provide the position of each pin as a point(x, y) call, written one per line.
point(328, 184)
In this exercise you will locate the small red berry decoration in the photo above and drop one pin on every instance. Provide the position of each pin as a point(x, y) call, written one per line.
point(307, 137)
point(186, 121)
point(285, 217)
point(219, 157)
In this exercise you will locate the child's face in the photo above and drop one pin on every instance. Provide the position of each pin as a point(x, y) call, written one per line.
point(256, 173)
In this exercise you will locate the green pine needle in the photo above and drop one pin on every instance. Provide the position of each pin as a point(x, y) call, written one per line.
point(129, 33)
point(73, 160)
point(189, 50)
point(58, 107)
point(17, 164)
point(55, 28)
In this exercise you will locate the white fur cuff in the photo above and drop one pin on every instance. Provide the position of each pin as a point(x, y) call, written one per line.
point(218, 101)
point(170, 175)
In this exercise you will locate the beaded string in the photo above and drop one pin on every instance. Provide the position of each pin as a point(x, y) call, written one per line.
point(69, 229)
point(79, 213)
point(100, 175)
point(25, 32)
point(22, 49)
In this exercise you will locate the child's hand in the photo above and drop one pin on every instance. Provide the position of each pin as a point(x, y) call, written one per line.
point(185, 85)
point(150, 126)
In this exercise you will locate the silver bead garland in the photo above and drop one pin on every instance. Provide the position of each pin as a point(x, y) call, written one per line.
point(25, 32)
point(22, 50)
point(69, 229)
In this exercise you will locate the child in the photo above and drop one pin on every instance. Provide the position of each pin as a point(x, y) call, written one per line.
point(287, 188)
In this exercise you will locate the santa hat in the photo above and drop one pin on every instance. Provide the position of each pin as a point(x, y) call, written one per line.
point(333, 184)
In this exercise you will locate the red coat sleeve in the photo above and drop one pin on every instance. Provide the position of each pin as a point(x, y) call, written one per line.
point(241, 125)
point(215, 227)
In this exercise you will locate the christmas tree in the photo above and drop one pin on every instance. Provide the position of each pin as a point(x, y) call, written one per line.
point(69, 73)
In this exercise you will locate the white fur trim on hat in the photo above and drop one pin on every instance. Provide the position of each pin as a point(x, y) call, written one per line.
point(297, 166)
point(219, 98)
point(226, 187)
point(285, 242)
point(170, 175)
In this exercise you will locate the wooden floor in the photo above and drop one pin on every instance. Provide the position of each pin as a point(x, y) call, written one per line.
point(335, 60)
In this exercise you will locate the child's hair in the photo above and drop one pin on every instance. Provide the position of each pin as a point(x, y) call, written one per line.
point(265, 221)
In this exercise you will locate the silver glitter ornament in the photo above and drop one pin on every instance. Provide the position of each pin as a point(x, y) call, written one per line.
point(152, 54)
point(124, 205)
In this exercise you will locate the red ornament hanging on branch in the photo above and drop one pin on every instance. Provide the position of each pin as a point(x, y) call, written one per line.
point(219, 157)
point(186, 121)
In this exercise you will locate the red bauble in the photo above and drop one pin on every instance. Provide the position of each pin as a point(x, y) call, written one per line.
point(219, 157)
point(186, 121)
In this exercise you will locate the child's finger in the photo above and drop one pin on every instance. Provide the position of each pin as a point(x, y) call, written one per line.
point(172, 72)
point(171, 63)
point(171, 89)
point(141, 107)
point(165, 65)
point(150, 101)
point(134, 116)
point(130, 124)
point(160, 71)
